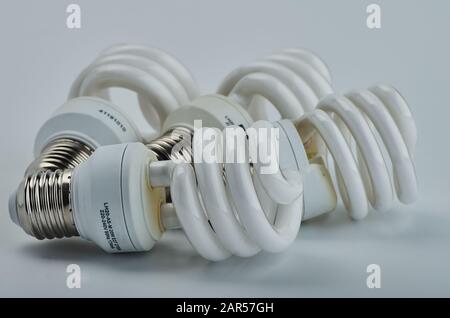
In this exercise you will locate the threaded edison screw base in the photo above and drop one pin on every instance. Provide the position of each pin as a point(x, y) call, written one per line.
point(61, 153)
point(44, 205)
point(173, 145)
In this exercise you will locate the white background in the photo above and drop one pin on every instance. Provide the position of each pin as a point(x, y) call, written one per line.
point(40, 57)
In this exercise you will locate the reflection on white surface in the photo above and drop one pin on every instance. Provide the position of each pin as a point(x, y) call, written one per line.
point(329, 258)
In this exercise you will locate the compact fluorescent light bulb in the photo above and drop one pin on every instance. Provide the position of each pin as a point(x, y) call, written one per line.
point(231, 208)
point(89, 120)
point(117, 197)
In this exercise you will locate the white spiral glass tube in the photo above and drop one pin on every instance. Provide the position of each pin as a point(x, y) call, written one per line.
point(221, 206)
point(371, 136)
point(162, 83)
point(368, 136)
point(373, 130)
point(301, 75)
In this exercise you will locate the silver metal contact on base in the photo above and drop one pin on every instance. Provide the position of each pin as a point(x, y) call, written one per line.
point(63, 153)
point(43, 205)
point(174, 145)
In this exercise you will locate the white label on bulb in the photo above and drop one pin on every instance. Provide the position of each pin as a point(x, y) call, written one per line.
point(113, 118)
point(108, 228)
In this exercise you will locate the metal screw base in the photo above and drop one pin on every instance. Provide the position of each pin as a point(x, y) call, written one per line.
point(61, 153)
point(43, 205)
point(173, 145)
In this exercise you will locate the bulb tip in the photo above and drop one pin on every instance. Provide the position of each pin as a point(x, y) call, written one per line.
point(13, 208)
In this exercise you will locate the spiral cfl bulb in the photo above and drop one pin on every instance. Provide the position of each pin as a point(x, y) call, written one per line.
point(89, 120)
point(240, 215)
point(359, 137)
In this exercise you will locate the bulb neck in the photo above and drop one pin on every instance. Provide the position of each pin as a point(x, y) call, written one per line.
point(175, 144)
point(61, 153)
point(43, 205)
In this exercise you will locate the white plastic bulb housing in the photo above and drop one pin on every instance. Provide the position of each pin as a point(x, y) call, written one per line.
point(92, 120)
point(213, 110)
point(113, 202)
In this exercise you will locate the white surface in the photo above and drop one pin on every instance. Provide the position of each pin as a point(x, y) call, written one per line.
point(40, 58)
